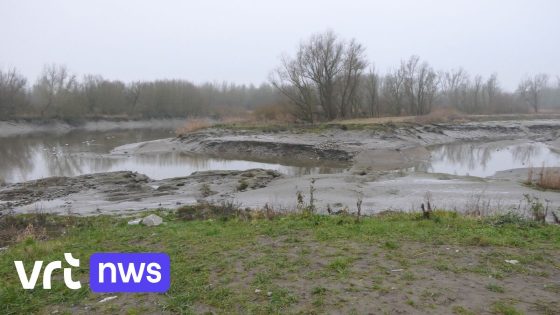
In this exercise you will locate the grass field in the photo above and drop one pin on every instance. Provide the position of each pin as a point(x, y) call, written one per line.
point(307, 264)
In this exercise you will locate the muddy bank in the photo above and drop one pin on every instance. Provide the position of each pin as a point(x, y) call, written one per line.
point(127, 192)
point(118, 192)
point(374, 149)
point(379, 173)
point(15, 128)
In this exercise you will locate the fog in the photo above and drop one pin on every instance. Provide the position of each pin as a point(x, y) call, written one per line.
point(241, 41)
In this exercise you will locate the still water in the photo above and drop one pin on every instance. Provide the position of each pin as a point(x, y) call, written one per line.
point(38, 156)
point(485, 159)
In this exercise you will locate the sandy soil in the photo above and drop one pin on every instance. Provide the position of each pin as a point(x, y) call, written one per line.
point(377, 160)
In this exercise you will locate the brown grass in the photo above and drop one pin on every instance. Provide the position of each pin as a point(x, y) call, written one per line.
point(440, 115)
point(273, 113)
point(375, 120)
point(549, 178)
point(529, 180)
point(194, 124)
point(36, 226)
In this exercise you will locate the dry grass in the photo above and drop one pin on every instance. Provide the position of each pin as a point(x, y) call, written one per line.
point(375, 120)
point(548, 178)
point(38, 226)
point(440, 115)
point(273, 113)
point(194, 124)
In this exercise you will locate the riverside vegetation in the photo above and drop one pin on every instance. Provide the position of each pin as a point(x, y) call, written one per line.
point(226, 259)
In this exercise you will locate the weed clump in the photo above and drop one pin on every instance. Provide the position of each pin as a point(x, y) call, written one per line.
point(35, 226)
point(511, 218)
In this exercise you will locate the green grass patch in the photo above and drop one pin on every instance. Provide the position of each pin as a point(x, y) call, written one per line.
point(220, 263)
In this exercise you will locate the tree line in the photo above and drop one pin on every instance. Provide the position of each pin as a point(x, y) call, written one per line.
point(60, 94)
point(330, 78)
point(327, 78)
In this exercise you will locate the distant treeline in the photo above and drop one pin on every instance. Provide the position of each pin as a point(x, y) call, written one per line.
point(58, 94)
point(328, 78)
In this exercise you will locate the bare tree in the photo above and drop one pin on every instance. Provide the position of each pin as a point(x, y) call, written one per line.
point(133, 95)
point(90, 86)
point(53, 86)
point(324, 72)
point(393, 90)
point(491, 89)
point(531, 89)
point(455, 84)
point(372, 92)
point(420, 83)
point(290, 80)
point(323, 61)
point(12, 92)
point(476, 93)
point(353, 66)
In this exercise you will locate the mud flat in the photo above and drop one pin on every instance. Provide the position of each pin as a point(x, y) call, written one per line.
point(380, 168)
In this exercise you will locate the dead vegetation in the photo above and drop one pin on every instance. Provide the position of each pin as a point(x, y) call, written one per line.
point(36, 226)
point(194, 124)
point(440, 115)
point(547, 178)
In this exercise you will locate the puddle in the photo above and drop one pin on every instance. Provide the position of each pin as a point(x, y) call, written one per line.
point(485, 159)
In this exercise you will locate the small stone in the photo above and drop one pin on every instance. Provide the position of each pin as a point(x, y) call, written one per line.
point(257, 291)
point(269, 293)
point(512, 261)
point(109, 298)
point(135, 221)
point(152, 220)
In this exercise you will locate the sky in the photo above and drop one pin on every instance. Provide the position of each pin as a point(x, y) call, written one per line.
point(241, 41)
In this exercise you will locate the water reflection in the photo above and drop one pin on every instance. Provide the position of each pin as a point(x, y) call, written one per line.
point(39, 156)
point(485, 159)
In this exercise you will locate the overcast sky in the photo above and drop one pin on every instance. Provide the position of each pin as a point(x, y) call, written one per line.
point(241, 41)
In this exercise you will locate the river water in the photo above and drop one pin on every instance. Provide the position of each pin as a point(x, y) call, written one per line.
point(29, 157)
point(36, 156)
point(485, 159)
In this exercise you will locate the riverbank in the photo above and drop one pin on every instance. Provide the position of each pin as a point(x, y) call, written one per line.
point(377, 165)
point(33, 126)
point(266, 263)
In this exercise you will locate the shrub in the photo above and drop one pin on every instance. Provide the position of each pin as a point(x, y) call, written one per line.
point(243, 185)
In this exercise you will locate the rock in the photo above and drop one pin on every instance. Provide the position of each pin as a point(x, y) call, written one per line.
point(3, 249)
point(152, 220)
point(269, 293)
point(512, 261)
point(135, 221)
point(109, 298)
point(257, 291)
